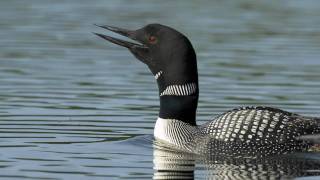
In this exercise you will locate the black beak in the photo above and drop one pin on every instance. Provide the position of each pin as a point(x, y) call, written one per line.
point(123, 32)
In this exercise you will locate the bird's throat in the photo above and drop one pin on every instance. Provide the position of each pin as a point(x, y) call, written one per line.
point(181, 108)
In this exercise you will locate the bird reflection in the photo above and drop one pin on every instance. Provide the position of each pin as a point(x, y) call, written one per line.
point(174, 164)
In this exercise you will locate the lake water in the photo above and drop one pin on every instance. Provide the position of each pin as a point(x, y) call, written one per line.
point(73, 106)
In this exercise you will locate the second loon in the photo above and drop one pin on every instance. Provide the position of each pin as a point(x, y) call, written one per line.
point(246, 131)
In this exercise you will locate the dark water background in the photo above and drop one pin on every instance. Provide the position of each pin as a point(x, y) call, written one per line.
point(75, 107)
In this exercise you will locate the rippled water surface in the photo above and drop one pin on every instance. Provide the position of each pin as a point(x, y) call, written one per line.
point(73, 106)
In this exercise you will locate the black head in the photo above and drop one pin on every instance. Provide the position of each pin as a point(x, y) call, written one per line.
point(161, 48)
point(172, 60)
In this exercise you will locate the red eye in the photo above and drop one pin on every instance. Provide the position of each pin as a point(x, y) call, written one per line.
point(152, 39)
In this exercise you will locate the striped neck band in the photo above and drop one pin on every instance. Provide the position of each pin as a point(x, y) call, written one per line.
point(180, 90)
point(158, 75)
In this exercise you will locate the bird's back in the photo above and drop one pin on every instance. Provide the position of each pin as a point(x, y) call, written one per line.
point(254, 130)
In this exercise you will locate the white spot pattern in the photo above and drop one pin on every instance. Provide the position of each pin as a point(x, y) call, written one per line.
point(180, 90)
point(244, 131)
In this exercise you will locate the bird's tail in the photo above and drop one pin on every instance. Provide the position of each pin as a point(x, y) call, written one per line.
point(311, 130)
point(314, 126)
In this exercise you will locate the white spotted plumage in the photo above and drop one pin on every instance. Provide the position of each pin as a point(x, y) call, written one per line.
point(241, 131)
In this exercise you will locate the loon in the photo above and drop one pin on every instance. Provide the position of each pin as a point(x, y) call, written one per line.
point(244, 131)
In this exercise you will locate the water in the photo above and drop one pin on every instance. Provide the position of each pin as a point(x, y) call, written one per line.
point(73, 106)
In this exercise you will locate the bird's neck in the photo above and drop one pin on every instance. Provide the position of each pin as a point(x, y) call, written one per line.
point(179, 97)
point(178, 84)
point(179, 108)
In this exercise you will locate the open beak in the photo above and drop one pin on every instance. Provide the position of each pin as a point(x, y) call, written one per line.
point(123, 32)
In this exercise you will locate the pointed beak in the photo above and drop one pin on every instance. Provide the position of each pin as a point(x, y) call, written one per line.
point(123, 32)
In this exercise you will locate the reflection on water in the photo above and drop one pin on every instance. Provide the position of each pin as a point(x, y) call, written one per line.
point(75, 107)
point(170, 164)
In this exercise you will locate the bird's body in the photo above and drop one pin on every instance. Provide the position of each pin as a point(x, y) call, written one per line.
point(247, 131)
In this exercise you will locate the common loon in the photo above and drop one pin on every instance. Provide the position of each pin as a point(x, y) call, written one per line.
point(245, 131)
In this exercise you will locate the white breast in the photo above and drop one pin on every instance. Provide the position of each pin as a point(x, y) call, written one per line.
point(175, 132)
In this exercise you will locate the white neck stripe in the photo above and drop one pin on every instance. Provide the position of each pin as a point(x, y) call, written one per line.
point(179, 90)
point(158, 75)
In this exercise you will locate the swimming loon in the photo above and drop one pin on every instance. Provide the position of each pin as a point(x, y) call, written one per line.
point(248, 131)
